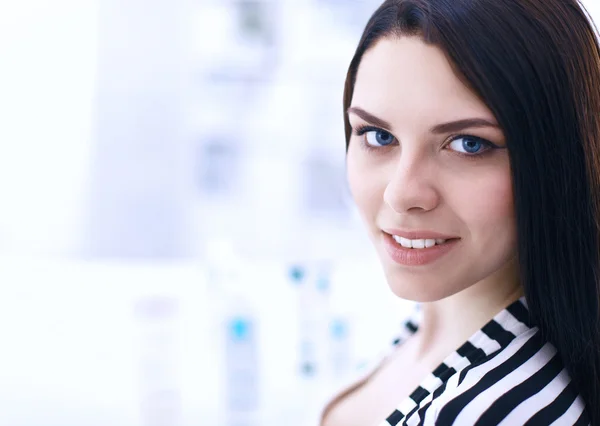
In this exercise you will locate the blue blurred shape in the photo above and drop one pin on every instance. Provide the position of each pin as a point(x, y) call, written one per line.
point(240, 328)
point(323, 284)
point(297, 274)
point(339, 329)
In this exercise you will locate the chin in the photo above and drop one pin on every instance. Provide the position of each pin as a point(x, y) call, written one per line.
point(414, 294)
point(418, 289)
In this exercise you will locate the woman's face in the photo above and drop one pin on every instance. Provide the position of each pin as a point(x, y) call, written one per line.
point(428, 167)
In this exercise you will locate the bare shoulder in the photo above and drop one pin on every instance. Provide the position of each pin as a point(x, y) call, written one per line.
point(374, 397)
point(333, 413)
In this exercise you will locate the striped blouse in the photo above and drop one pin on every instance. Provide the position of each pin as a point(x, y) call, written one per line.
point(505, 374)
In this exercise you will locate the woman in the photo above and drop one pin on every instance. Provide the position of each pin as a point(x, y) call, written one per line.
point(473, 155)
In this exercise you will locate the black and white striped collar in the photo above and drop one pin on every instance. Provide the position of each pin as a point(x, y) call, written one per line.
point(496, 335)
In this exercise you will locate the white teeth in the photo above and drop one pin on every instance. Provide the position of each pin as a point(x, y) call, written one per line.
point(405, 242)
point(418, 244)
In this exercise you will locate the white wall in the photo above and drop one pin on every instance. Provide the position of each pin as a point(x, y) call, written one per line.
point(47, 76)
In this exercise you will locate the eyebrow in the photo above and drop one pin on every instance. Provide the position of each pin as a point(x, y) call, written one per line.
point(453, 126)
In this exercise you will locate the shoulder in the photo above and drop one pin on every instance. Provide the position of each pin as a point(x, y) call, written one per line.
point(523, 383)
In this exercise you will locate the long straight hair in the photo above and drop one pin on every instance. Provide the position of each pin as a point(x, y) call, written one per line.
point(536, 65)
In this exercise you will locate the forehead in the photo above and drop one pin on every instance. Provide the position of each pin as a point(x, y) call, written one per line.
point(404, 77)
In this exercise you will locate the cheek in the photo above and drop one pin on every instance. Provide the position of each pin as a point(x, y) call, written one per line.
point(486, 207)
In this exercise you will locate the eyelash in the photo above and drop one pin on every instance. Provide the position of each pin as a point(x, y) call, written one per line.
point(362, 129)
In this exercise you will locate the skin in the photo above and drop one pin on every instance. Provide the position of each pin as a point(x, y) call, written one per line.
point(426, 181)
point(430, 181)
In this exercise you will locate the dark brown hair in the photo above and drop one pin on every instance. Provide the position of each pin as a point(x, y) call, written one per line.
point(536, 65)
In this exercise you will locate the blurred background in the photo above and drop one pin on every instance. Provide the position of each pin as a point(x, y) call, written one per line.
point(177, 241)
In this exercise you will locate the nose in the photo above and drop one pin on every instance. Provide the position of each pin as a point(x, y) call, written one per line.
point(412, 186)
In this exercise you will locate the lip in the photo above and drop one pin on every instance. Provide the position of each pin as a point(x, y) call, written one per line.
point(419, 234)
point(417, 257)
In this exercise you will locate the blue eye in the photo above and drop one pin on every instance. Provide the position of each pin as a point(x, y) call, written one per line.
point(469, 145)
point(378, 138)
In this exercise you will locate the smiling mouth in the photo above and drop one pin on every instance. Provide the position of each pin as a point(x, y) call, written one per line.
point(422, 243)
point(418, 251)
point(418, 239)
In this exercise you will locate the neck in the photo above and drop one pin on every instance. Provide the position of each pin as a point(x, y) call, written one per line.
point(449, 322)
